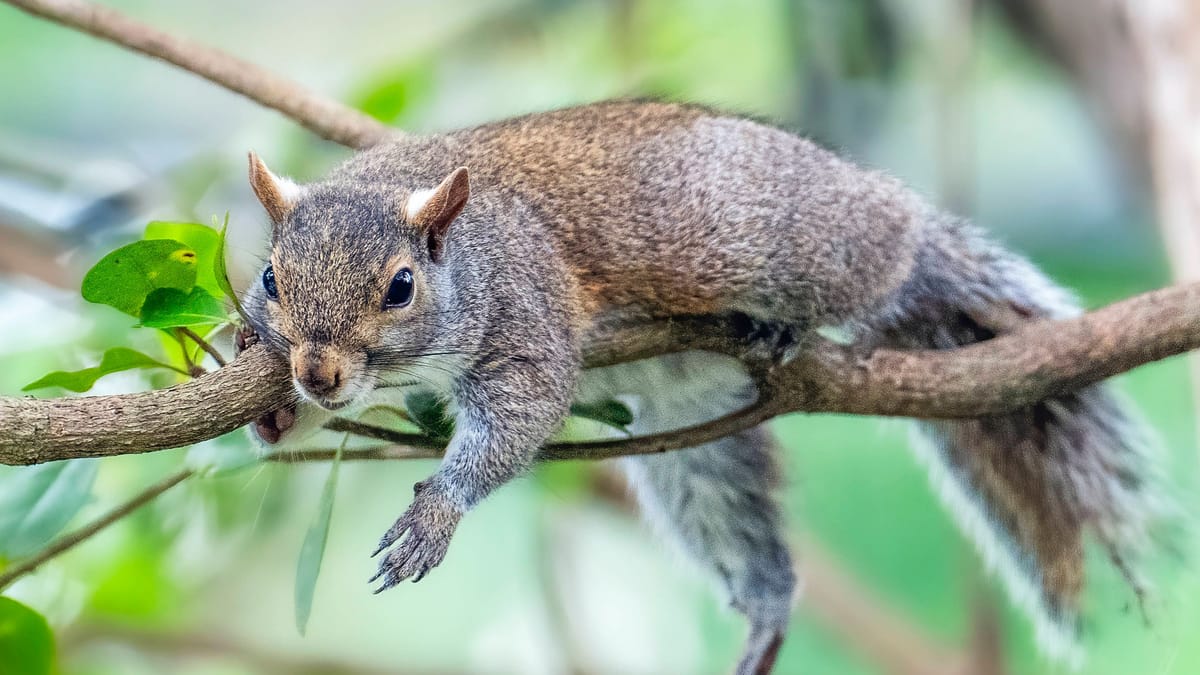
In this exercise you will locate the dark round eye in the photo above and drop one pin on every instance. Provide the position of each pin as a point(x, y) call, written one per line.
point(269, 283)
point(400, 293)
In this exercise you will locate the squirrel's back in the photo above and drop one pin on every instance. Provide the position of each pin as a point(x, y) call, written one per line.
point(667, 209)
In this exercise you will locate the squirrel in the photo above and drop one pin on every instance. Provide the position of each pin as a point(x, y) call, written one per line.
point(477, 261)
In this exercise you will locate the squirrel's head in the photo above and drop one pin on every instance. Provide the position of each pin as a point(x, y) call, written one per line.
point(349, 292)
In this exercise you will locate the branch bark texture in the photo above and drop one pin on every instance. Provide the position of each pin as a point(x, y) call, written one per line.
point(1040, 360)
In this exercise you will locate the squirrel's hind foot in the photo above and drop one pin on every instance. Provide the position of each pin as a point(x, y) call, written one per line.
point(777, 342)
point(761, 650)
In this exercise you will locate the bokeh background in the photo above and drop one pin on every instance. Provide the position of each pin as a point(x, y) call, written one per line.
point(979, 106)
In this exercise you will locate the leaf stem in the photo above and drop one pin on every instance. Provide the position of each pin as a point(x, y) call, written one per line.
point(187, 355)
point(204, 344)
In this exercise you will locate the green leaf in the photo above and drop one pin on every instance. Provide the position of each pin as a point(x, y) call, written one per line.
point(201, 239)
point(26, 643)
point(124, 278)
point(388, 97)
point(308, 567)
point(221, 272)
point(169, 308)
point(428, 411)
point(612, 413)
point(114, 360)
point(37, 502)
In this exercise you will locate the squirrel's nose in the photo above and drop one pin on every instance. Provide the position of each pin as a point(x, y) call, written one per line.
point(323, 382)
point(318, 372)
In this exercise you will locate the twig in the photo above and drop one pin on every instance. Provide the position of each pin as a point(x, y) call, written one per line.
point(209, 646)
point(418, 446)
point(71, 540)
point(188, 363)
point(203, 344)
point(322, 116)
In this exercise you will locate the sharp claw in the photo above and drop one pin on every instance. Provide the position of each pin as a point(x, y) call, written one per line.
point(377, 575)
point(421, 575)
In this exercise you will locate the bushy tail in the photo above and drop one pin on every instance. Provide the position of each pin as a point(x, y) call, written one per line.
point(1025, 486)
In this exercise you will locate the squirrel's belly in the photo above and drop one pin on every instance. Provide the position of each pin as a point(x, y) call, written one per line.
point(671, 391)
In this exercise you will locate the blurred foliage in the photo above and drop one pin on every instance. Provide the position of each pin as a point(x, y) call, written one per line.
point(196, 582)
point(26, 645)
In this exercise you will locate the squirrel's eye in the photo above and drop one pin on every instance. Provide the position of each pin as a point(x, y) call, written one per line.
point(269, 283)
point(400, 293)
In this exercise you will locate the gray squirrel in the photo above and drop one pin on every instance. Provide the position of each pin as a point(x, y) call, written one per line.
point(476, 262)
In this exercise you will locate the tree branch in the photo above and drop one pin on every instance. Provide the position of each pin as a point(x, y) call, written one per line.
point(1039, 360)
point(323, 116)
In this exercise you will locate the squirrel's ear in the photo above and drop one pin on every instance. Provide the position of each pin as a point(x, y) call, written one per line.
point(434, 210)
point(278, 195)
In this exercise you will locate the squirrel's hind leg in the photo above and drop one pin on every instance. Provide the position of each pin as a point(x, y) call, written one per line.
point(715, 502)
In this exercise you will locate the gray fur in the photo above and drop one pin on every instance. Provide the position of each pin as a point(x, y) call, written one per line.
point(713, 502)
point(634, 211)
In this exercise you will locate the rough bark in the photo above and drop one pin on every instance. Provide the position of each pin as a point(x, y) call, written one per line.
point(1039, 360)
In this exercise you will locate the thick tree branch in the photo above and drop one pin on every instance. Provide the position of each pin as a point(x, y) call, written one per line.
point(1039, 360)
point(322, 116)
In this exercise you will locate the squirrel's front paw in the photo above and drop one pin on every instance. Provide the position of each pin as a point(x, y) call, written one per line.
point(429, 523)
point(270, 427)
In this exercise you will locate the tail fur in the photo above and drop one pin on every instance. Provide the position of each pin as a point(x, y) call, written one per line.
point(1025, 486)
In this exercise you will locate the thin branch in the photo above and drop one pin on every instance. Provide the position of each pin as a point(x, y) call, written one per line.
point(87, 531)
point(207, 646)
point(1037, 361)
point(322, 116)
point(203, 344)
point(418, 446)
point(35, 255)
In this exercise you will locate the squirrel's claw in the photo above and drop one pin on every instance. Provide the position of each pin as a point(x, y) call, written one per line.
point(423, 533)
point(775, 342)
point(244, 338)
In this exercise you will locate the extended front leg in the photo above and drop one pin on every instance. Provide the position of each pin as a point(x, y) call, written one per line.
point(507, 409)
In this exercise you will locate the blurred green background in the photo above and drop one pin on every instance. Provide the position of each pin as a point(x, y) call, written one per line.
point(552, 575)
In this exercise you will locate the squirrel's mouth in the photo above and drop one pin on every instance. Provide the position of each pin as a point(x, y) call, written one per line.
point(331, 405)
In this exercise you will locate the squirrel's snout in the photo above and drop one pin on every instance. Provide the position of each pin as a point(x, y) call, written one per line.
point(320, 374)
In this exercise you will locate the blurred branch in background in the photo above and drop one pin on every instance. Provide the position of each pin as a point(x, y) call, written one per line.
point(840, 54)
point(1093, 43)
point(174, 647)
point(36, 254)
point(324, 117)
